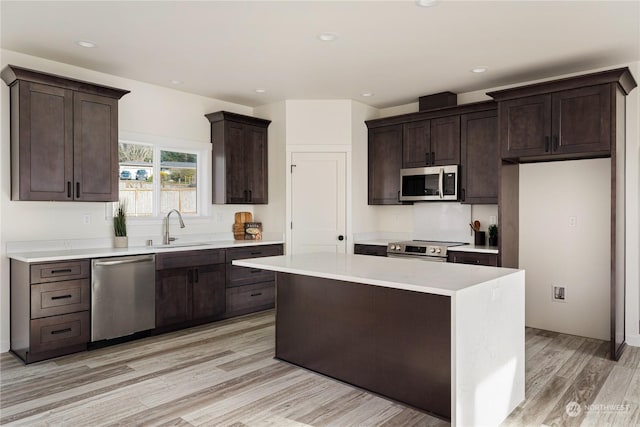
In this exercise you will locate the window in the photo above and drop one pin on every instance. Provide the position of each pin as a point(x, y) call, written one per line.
point(178, 182)
point(155, 179)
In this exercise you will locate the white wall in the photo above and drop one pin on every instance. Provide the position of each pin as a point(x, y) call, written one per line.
point(552, 252)
point(148, 110)
point(273, 215)
point(318, 122)
point(363, 215)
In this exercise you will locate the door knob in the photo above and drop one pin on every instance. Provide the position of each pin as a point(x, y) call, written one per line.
point(341, 237)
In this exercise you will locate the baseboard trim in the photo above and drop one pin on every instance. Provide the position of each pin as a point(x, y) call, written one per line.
point(633, 340)
point(4, 346)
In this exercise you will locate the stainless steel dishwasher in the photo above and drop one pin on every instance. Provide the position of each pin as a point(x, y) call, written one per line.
point(123, 297)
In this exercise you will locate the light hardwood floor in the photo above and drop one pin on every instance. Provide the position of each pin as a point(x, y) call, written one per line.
point(224, 374)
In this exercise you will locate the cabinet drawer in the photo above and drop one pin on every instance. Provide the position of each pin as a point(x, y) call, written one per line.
point(189, 258)
point(51, 333)
point(51, 299)
point(477, 258)
point(239, 276)
point(375, 250)
point(251, 297)
point(58, 271)
point(253, 252)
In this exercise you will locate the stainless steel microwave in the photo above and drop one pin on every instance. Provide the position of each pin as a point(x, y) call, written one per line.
point(436, 183)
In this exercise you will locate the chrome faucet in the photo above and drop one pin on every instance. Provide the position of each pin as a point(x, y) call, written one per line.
point(167, 238)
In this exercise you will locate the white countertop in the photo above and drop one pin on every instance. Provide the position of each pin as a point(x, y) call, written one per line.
point(438, 278)
point(461, 248)
point(66, 254)
point(376, 242)
point(474, 248)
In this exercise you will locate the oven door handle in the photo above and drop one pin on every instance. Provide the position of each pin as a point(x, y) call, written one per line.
point(440, 179)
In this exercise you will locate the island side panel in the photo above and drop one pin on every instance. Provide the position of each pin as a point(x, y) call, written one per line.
point(488, 351)
point(393, 342)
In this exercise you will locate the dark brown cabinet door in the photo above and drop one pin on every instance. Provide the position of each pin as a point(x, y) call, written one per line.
point(256, 161)
point(240, 158)
point(525, 126)
point(416, 144)
point(480, 160)
point(95, 148)
point(208, 291)
point(173, 296)
point(445, 141)
point(582, 120)
point(236, 163)
point(44, 126)
point(385, 162)
point(64, 136)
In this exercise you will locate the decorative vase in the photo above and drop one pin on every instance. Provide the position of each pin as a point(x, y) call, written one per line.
point(493, 240)
point(120, 242)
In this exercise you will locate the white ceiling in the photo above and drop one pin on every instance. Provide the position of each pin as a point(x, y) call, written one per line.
point(395, 49)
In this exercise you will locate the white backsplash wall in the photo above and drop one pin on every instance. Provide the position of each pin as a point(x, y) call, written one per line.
point(565, 241)
point(486, 214)
point(442, 221)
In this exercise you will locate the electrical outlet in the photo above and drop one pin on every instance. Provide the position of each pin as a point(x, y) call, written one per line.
point(86, 219)
point(573, 221)
point(492, 219)
point(559, 293)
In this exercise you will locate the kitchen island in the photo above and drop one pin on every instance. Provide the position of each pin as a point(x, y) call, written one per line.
point(444, 338)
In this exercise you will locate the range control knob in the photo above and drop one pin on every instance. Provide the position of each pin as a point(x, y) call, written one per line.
point(438, 250)
point(432, 250)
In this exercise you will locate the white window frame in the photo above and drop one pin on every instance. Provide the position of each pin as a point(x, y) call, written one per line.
point(203, 164)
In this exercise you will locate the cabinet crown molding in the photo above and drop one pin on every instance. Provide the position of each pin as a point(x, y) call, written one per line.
point(621, 76)
point(219, 116)
point(12, 73)
point(432, 114)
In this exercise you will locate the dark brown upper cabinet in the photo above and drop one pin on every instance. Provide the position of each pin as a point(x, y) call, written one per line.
point(239, 164)
point(433, 142)
point(564, 119)
point(64, 138)
point(480, 158)
point(430, 138)
point(384, 164)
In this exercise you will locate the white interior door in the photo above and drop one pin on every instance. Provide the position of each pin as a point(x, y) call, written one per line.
point(318, 209)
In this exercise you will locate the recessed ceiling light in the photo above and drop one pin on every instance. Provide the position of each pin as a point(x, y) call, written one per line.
point(367, 94)
point(327, 37)
point(479, 69)
point(261, 90)
point(426, 3)
point(176, 82)
point(86, 43)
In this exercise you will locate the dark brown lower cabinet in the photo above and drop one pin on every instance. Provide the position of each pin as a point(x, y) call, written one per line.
point(393, 342)
point(477, 258)
point(375, 250)
point(50, 304)
point(190, 287)
point(250, 289)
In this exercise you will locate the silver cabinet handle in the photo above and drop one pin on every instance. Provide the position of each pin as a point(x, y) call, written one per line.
point(124, 261)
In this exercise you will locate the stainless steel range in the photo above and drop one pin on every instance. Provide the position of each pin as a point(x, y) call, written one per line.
point(421, 249)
